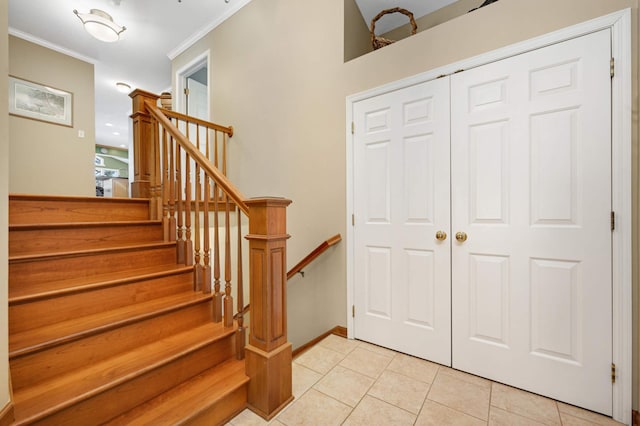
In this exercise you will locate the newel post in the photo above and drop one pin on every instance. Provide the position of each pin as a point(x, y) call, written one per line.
point(143, 145)
point(268, 354)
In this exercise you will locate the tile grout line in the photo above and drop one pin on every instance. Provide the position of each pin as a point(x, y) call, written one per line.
point(390, 357)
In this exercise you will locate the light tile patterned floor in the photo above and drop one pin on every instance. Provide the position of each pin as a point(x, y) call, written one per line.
point(348, 382)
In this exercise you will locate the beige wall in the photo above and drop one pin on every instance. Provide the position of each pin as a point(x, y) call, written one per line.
point(4, 192)
point(52, 158)
point(357, 39)
point(438, 17)
point(280, 79)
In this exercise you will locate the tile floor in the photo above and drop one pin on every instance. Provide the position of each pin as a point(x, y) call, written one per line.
point(348, 382)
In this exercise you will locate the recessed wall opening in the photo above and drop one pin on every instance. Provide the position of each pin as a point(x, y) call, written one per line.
point(359, 13)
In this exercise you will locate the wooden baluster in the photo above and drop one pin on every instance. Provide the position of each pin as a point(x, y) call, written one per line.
point(188, 244)
point(217, 295)
point(228, 299)
point(215, 149)
point(206, 268)
point(240, 332)
point(180, 243)
point(224, 154)
point(156, 175)
point(224, 161)
point(171, 184)
point(198, 272)
point(165, 185)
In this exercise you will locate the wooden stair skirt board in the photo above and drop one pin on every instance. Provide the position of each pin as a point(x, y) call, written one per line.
point(7, 415)
point(337, 330)
point(105, 326)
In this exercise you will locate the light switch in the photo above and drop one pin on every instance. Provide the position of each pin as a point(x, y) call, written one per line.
point(81, 133)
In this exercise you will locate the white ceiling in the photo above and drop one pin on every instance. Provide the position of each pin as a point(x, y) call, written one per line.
point(157, 30)
point(419, 8)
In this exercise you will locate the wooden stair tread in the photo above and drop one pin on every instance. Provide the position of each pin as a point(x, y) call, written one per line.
point(89, 199)
point(187, 400)
point(80, 225)
point(57, 288)
point(45, 337)
point(89, 252)
point(26, 208)
point(48, 397)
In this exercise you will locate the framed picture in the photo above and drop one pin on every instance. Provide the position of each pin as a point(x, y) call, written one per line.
point(38, 102)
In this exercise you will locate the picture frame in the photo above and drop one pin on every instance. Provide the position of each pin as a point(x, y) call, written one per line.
point(39, 102)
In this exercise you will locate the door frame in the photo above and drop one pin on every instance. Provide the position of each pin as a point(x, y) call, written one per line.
point(621, 180)
point(200, 61)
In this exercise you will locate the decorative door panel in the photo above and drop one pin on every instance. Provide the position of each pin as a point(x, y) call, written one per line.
point(401, 182)
point(531, 189)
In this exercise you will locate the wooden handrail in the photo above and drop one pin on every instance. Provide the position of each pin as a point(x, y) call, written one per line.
point(301, 265)
point(181, 180)
point(224, 183)
point(313, 255)
point(194, 120)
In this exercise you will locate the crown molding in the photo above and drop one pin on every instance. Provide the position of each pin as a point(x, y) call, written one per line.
point(195, 37)
point(52, 46)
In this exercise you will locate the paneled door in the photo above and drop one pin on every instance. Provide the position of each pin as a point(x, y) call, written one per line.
point(401, 181)
point(531, 201)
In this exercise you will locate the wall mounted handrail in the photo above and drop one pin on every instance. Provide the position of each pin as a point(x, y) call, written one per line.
point(313, 255)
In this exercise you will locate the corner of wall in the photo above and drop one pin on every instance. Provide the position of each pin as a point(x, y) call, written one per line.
point(4, 194)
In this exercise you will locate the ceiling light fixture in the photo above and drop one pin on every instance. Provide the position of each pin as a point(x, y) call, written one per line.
point(100, 25)
point(123, 87)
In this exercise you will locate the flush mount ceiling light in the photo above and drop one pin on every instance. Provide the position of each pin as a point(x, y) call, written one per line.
point(100, 25)
point(123, 87)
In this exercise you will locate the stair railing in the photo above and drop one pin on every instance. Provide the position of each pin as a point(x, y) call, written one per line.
point(299, 268)
point(313, 255)
point(177, 166)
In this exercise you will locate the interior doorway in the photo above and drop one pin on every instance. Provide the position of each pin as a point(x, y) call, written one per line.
point(192, 96)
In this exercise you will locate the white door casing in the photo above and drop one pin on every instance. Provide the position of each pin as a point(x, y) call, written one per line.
point(402, 175)
point(531, 187)
point(181, 76)
point(619, 23)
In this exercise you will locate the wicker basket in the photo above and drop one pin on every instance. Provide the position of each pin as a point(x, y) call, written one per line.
point(378, 42)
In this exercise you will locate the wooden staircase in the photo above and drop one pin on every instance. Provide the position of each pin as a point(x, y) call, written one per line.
point(105, 326)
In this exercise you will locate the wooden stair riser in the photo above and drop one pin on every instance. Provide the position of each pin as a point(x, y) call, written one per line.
point(63, 239)
point(222, 410)
point(98, 328)
point(33, 368)
point(43, 209)
point(116, 400)
point(211, 397)
point(37, 272)
point(55, 309)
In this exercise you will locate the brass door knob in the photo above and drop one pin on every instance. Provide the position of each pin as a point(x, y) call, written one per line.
point(441, 235)
point(461, 237)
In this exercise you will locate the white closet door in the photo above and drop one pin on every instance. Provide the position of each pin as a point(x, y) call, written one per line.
point(401, 186)
point(531, 188)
